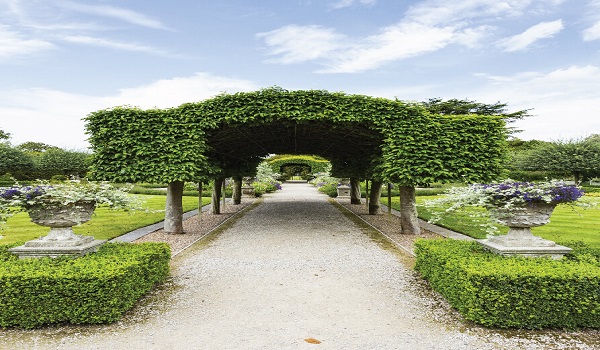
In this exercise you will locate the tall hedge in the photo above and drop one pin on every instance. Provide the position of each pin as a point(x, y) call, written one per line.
point(411, 145)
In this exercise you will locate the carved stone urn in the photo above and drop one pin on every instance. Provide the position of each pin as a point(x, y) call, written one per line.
point(520, 240)
point(61, 240)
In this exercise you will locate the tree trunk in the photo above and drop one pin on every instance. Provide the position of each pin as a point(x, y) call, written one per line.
point(216, 195)
point(354, 190)
point(408, 211)
point(577, 177)
point(374, 197)
point(174, 208)
point(237, 190)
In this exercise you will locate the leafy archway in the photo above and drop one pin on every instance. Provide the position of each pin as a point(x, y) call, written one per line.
point(362, 136)
point(303, 165)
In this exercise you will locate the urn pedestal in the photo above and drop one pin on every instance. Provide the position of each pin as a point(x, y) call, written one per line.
point(61, 240)
point(519, 240)
point(343, 191)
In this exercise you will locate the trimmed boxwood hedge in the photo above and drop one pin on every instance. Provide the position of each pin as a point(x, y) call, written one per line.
point(514, 292)
point(96, 288)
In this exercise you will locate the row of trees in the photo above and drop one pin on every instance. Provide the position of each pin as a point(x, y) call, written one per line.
point(578, 159)
point(36, 160)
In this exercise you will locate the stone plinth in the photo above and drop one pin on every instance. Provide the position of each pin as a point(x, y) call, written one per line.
point(544, 248)
point(343, 191)
point(40, 248)
point(248, 192)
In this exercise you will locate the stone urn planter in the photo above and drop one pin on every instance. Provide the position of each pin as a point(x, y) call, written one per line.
point(60, 206)
point(520, 240)
point(61, 240)
point(516, 204)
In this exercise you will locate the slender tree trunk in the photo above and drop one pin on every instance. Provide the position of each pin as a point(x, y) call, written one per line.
point(216, 195)
point(374, 197)
point(174, 208)
point(237, 190)
point(200, 201)
point(408, 211)
point(577, 177)
point(354, 190)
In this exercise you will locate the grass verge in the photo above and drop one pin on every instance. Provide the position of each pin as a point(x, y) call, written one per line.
point(105, 224)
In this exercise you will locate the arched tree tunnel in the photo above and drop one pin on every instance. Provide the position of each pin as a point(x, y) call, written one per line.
point(228, 135)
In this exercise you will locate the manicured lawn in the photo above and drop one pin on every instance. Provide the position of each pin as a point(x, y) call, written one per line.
point(105, 224)
point(565, 223)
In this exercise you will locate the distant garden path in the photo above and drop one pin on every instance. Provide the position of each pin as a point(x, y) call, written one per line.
point(289, 273)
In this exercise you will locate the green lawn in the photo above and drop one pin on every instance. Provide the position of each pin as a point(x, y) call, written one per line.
point(565, 223)
point(105, 223)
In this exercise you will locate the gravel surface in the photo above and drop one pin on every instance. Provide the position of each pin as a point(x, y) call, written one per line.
point(293, 272)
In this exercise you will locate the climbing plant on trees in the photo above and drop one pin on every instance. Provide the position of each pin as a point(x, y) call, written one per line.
point(388, 139)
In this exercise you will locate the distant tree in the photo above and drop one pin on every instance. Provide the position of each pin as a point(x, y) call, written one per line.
point(56, 161)
point(4, 135)
point(15, 162)
point(35, 147)
point(577, 157)
point(459, 107)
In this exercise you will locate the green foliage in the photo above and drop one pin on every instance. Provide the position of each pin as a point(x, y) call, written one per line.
point(329, 189)
point(16, 162)
point(4, 135)
point(196, 140)
point(56, 161)
point(512, 292)
point(96, 288)
point(577, 157)
point(134, 145)
point(289, 165)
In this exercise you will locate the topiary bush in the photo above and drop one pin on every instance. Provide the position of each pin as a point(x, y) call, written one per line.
point(96, 288)
point(513, 292)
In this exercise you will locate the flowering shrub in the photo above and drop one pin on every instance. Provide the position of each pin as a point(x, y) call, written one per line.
point(20, 198)
point(510, 196)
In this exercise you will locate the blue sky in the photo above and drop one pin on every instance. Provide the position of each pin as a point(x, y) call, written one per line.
point(60, 60)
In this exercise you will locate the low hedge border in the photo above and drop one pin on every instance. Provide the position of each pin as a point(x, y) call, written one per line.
point(96, 288)
point(514, 292)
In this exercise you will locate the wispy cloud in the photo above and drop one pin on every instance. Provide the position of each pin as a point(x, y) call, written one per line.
point(118, 45)
point(592, 33)
point(340, 4)
point(14, 44)
point(119, 13)
point(426, 27)
point(543, 30)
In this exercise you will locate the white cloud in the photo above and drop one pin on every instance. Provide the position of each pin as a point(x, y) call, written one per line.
point(393, 43)
point(13, 44)
point(55, 117)
point(592, 33)
point(534, 33)
point(297, 44)
point(564, 101)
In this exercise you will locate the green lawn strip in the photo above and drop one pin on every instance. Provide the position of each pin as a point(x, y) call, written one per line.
point(565, 224)
point(105, 224)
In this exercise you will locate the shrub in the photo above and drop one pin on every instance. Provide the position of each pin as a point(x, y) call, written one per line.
point(96, 288)
point(329, 189)
point(505, 292)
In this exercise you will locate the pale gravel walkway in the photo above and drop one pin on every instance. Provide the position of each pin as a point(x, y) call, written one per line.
point(290, 269)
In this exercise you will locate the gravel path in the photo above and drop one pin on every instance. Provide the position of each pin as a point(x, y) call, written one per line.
point(291, 273)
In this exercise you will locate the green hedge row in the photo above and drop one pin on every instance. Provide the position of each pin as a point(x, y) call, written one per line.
point(513, 292)
point(96, 288)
